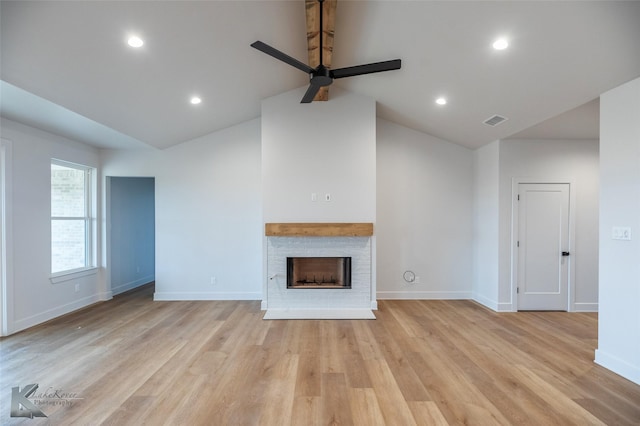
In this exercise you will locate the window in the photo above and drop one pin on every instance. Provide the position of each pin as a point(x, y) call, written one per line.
point(72, 234)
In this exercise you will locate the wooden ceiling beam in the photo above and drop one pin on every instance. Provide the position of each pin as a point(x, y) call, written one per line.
point(312, 8)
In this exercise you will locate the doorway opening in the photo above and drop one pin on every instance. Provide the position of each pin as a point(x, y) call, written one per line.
point(130, 232)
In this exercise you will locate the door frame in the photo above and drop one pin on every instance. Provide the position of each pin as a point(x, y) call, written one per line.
point(515, 183)
point(6, 238)
point(108, 230)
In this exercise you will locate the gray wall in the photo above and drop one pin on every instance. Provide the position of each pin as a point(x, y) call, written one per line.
point(132, 232)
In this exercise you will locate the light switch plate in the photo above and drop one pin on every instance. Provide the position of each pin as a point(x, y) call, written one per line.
point(621, 233)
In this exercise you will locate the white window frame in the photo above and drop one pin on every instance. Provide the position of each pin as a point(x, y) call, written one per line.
point(89, 221)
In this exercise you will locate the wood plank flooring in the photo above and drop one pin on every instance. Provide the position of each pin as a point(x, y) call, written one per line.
point(132, 361)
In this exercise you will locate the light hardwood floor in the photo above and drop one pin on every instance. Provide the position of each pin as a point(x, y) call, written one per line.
point(132, 361)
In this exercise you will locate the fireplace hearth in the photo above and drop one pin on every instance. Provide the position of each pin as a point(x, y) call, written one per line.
point(320, 300)
point(319, 272)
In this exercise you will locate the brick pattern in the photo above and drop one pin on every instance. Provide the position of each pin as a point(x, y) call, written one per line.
point(358, 296)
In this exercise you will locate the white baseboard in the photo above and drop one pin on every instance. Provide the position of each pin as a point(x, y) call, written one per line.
point(585, 307)
point(106, 295)
point(444, 295)
point(423, 295)
point(493, 305)
point(33, 320)
point(505, 307)
point(508, 307)
point(173, 296)
point(486, 302)
point(131, 285)
point(347, 313)
point(618, 366)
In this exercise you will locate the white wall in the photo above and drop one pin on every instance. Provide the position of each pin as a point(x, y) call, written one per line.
point(619, 314)
point(6, 239)
point(319, 148)
point(322, 147)
point(208, 213)
point(424, 215)
point(486, 180)
point(35, 298)
point(574, 161)
point(423, 194)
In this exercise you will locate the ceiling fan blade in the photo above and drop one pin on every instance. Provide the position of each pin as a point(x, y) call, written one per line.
point(263, 47)
point(310, 94)
point(366, 69)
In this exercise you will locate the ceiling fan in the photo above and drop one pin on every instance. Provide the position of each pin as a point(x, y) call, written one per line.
point(321, 75)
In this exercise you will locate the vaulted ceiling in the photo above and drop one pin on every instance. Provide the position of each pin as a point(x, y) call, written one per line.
point(66, 66)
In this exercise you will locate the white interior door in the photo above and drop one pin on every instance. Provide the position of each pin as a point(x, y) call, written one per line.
point(543, 246)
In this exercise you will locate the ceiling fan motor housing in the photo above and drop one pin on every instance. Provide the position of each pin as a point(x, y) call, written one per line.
point(321, 76)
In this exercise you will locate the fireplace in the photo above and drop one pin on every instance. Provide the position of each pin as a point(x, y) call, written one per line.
point(319, 272)
point(339, 255)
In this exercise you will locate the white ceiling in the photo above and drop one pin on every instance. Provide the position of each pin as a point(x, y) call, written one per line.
point(72, 56)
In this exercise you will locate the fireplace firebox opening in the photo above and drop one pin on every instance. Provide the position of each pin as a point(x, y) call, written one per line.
point(319, 272)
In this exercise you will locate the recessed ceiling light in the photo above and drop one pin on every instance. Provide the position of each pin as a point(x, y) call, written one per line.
point(195, 100)
point(500, 44)
point(441, 101)
point(135, 41)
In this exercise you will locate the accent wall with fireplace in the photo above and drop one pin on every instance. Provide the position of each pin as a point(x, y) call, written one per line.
point(319, 170)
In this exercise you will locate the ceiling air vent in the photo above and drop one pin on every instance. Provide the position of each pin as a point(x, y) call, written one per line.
point(495, 120)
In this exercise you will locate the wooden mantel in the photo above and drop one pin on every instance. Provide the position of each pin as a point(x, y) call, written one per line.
point(318, 229)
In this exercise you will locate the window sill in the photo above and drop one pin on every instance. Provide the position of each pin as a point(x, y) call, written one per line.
point(72, 275)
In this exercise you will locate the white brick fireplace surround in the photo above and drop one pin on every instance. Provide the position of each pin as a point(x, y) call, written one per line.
point(288, 303)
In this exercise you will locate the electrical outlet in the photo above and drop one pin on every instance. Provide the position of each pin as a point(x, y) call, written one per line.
point(314, 196)
point(214, 280)
point(77, 287)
